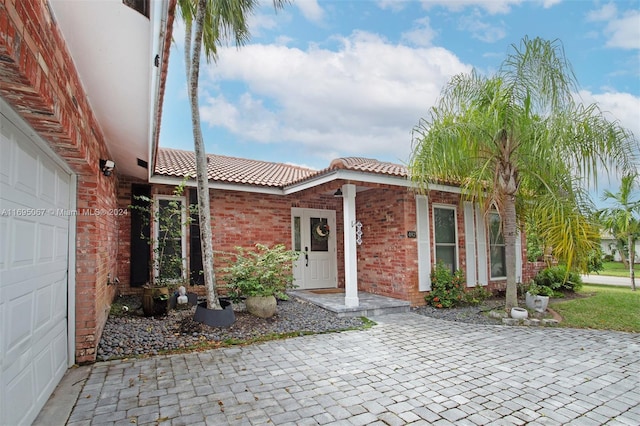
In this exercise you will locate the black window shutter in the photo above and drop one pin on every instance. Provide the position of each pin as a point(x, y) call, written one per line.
point(195, 259)
point(140, 252)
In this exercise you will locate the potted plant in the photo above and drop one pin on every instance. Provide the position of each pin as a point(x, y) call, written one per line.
point(169, 218)
point(537, 297)
point(260, 276)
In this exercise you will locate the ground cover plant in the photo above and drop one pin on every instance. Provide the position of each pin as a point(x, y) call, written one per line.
point(602, 308)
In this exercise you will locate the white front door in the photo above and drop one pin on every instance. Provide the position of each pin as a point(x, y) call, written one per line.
point(314, 237)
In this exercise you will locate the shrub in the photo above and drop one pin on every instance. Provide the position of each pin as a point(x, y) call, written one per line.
point(558, 279)
point(261, 272)
point(476, 295)
point(447, 289)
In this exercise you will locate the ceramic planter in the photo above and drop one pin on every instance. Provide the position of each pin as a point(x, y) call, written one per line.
point(519, 313)
point(536, 302)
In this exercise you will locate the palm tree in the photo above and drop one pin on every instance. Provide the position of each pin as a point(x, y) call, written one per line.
point(517, 141)
point(623, 218)
point(207, 24)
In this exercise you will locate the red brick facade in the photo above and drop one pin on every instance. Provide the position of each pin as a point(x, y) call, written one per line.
point(387, 258)
point(38, 79)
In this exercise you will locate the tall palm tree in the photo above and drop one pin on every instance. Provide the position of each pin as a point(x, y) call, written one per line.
point(518, 140)
point(622, 219)
point(209, 23)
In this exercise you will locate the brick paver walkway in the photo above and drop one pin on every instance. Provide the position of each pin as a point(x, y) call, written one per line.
point(408, 369)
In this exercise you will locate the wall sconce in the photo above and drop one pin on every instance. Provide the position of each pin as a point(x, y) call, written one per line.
point(338, 193)
point(107, 166)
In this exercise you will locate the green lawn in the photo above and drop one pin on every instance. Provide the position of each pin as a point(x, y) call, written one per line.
point(601, 308)
point(617, 269)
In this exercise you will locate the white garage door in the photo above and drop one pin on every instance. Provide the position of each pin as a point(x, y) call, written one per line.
point(35, 192)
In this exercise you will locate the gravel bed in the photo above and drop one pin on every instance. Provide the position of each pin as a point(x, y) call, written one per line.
point(467, 314)
point(128, 334)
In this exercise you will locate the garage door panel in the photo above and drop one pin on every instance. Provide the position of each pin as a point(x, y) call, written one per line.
point(25, 172)
point(48, 184)
point(19, 323)
point(3, 241)
point(62, 191)
point(19, 395)
point(23, 243)
point(43, 312)
point(34, 287)
point(46, 242)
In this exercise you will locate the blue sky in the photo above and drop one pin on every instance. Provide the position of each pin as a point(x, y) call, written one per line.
point(326, 79)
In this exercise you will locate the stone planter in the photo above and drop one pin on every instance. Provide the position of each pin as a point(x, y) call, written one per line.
point(536, 302)
point(261, 306)
point(519, 313)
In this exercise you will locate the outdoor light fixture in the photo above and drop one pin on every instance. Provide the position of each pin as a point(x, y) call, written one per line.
point(106, 167)
point(338, 193)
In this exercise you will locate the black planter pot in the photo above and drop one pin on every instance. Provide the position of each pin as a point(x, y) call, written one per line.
point(214, 317)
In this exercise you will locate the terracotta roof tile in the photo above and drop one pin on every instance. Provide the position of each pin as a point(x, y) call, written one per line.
point(178, 163)
point(369, 165)
point(174, 162)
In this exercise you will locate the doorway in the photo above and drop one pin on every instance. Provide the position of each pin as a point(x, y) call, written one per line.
point(314, 237)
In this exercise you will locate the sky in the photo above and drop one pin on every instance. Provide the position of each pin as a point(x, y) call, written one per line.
point(321, 80)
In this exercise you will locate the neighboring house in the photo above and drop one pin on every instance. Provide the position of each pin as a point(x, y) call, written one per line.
point(609, 246)
point(79, 83)
point(403, 233)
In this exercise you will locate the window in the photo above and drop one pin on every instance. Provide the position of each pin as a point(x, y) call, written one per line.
point(444, 225)
point(170, 238)
point(496, 247)
point(141, 6)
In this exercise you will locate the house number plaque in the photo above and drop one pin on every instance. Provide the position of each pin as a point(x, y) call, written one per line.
point(411, 234)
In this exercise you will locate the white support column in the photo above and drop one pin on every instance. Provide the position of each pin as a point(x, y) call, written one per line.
point(350, 254)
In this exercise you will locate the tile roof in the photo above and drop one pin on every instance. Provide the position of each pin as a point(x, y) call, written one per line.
point(174, 162)
point(179, 163)
point(369, 165)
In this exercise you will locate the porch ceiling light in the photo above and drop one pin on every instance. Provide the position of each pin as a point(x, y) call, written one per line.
point(338, 193)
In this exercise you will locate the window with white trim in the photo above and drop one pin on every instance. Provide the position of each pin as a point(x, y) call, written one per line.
point(444, 231)
point(496, 247)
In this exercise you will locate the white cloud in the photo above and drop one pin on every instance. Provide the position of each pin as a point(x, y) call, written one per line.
point(624, 33)
point(605, 13)
point(422, 34)
point(481, 29)
point(363, 99)
point(493, 7)
point(623, 107)
point(393, 5)
point(622, 30)
point(311, 10)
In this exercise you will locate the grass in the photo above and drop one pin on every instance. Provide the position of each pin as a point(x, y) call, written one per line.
point(601, 308)
point(617, 269)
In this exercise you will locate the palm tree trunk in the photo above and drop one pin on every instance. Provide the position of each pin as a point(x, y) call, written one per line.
point(206, 236)
point(631, 258)
point(510, 229)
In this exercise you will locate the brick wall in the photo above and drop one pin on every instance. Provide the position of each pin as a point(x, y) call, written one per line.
point(38, 78)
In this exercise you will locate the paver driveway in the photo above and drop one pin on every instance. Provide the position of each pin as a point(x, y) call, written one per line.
point(408, 369)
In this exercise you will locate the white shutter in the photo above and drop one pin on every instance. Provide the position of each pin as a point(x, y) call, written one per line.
point(470, 244)
point(424, 246)
point(481, 242)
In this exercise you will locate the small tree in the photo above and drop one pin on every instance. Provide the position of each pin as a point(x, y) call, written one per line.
point(623, 218)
